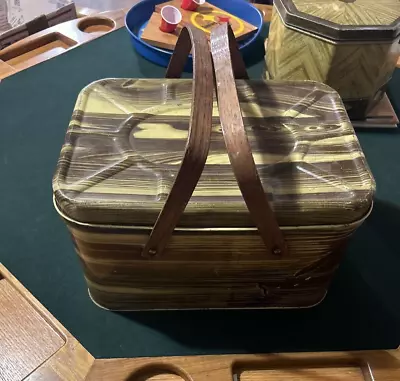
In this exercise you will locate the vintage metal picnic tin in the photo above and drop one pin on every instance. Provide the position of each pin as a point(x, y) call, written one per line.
point(351, 45)
point(124, 152)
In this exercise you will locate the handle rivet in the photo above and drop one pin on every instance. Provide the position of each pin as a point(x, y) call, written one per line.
point(152, 252)
point(277, 251)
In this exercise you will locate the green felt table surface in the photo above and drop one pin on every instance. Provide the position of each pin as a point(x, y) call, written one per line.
point(361, 310)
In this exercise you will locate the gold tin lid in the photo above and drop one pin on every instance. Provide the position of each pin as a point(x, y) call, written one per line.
point(126, 139)
point(343, 20)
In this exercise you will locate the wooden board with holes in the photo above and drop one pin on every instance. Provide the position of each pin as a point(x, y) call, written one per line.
point(57, 40)
point(205, 18)
point(35, 346)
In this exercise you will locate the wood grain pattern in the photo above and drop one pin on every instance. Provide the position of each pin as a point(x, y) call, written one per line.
point(73, 363)
point(57, 40)
point(343, 366)
point(17, 340)
point(223, 46)
point(127, 137)
point(33, 344)
point(199, 135)
point(205, 16)
point(357, 71)
point(123, 150)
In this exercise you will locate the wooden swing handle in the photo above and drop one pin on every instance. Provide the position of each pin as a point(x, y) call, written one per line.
point(228, 65)
point(199, 135)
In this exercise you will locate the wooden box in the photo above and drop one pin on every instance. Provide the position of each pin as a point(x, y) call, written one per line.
point(351, 45)
point(126, 150)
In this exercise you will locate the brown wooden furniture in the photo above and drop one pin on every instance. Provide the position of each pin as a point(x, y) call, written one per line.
point(35, 346)
point(57, 40)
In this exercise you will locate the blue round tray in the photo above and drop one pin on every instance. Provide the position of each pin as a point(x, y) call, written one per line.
point(138, 16)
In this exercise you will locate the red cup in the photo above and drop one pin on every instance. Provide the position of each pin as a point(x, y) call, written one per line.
point(223, 18)
point(170, 18)
point(191, 5)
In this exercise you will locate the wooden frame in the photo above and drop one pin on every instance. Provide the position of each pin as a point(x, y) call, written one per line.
point(62, 357)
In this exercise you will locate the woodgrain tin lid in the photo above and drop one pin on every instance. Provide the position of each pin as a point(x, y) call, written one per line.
point(342, 20)
point(126, 139)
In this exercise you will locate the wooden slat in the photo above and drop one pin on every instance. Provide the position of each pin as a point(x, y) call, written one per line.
point(26, 339)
